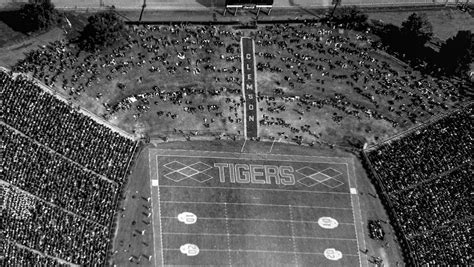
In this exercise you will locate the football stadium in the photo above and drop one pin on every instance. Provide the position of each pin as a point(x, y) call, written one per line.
point(236, 133)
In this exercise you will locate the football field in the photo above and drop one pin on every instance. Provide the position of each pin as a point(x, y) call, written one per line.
point(218, 208)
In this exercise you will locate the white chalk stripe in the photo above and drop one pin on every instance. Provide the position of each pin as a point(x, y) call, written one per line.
point(250, 204)
point(255, 189)
point(263, 236)
point(255, 219)
point(260, 251)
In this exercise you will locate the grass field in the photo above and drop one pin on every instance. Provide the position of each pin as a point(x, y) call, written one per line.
point(138, 238)
point(257, 219)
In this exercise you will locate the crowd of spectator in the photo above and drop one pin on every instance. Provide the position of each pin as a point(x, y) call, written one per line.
point(308, 57)
point(13, 255)
point(55, 232)
point(439, 203)
point(55, 124)
point(62, 174)
point(327, 56)
point(51, 177)
point(425, 153)
point(446, 246)
point(427, 176)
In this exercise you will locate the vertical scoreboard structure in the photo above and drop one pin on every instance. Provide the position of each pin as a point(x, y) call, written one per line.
point(249, 87)
point(258, 5)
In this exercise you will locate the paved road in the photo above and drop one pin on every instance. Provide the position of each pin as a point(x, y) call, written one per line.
point(249, 87)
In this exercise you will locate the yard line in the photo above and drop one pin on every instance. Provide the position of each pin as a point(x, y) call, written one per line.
point(261, 251)
point(250, 188)
point(252, 219)
point(270, 236)
point(266, 158)
point(293, 235)
point(249, 204)
point(228, 234)
point(201, 152)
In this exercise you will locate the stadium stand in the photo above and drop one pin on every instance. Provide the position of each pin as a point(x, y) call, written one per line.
point(49, 176)
point(18, 256)
point(62, 175)
point(426, 177)
point(49, 121)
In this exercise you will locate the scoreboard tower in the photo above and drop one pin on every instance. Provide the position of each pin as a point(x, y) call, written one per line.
point(258, 5)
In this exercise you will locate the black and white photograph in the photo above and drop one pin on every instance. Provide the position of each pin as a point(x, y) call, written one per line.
point(253, 133)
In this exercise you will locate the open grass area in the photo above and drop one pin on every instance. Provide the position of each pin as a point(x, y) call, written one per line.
point(7, 34)
point(328, 86)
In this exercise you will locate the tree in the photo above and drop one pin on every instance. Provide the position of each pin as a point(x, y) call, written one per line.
point(389, 34)
point(456, 54)
point(417, 30)
point(39, 15)
point(351, 17)
point(104, 29)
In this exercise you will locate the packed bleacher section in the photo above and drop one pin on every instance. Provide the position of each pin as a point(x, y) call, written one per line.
point(51, 122)
point(12, 255)
point(62, 174)
point(50, 176)
point(427, 178)
point(53, 231)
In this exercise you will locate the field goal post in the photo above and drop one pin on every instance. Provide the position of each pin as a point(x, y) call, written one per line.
point(259, 5)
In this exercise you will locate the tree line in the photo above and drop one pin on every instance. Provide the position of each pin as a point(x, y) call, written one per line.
point(411, 42)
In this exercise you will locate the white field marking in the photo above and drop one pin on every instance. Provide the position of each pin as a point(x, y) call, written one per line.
point(273, 144)
point(159, 214)
point(254, 219)
point(153, 210)
point(292, 226)
point(242, 149)
point(353, 215)
point(261, 251)
point(249, 204)
point(255, 189)
point(358, 210)
point(298, 161)
point(268, 236)
point(228, 233)
point(243, 87)
point(253, 158)
point(157, 150)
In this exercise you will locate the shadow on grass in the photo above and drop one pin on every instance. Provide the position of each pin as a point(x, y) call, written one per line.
point(13, 19)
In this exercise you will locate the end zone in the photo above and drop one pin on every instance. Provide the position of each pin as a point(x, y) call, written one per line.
point(257, 209)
